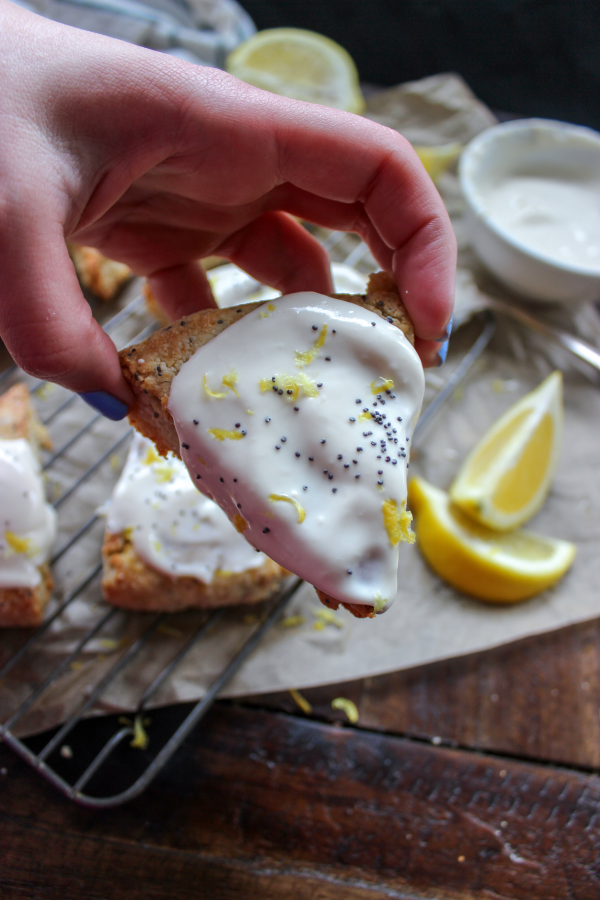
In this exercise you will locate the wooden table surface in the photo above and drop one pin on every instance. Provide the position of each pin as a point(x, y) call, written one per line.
point(472, 778)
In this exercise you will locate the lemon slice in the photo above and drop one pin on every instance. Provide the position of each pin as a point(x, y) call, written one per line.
point(438, 160)
point(506, 477)
point(298, 64)
point(501, 568)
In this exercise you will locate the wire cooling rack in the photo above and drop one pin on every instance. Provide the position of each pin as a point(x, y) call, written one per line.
point(77, 580)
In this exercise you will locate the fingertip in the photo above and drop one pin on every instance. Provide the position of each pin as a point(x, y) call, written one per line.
point(431, 353)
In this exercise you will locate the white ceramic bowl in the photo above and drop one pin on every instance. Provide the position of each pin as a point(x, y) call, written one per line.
point(528, 147)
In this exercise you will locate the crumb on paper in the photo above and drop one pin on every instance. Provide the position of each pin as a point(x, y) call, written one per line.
point(115, 462)
point(346, 706)
point(301, 701)
point(319, 626)
point(292, 621)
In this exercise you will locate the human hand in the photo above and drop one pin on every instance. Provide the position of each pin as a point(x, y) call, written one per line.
point(157, 163)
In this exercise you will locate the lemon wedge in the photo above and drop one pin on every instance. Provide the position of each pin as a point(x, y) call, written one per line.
point(299, 64)
point(500, 568)
point(438, 160)
point(506, 477)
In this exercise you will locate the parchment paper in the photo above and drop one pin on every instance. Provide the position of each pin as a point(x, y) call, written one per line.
point(428, 621)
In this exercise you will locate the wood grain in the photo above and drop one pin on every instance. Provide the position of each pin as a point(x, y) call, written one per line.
point(303, 809)
point(538, 698)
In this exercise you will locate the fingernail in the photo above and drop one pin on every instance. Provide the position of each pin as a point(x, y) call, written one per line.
point(448, 331)
point(442, 353)
point(106, 404)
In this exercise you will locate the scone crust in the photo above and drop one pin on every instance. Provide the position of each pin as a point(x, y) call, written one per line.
point(128, 582)
point(24, 607)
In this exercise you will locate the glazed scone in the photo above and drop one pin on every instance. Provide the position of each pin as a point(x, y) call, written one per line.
point(18, 419)
point(29, 523)
point(102, 276)
point(168, 548)
point(264, 365)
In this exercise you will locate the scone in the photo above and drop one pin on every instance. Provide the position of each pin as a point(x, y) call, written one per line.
point(29, 523)
point(168, 548)
point(296, 415)
point(102, 276)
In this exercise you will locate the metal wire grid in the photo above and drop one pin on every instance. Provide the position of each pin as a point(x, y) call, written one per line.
point(346, 249)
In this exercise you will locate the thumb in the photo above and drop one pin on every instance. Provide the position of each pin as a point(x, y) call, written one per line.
point(47, 325)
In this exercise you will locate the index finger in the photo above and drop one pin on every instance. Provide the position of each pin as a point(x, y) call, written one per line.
point(346, 159)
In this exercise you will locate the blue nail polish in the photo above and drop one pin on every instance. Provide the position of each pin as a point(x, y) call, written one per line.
point(442, 353)
point(106, 404)
point(449, 327)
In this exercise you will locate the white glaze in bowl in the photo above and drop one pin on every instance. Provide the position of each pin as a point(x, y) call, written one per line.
point(530, 148)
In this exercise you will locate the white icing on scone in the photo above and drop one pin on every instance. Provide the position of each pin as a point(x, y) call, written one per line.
point(299, 418)
point(173, 528)
point(28, 526)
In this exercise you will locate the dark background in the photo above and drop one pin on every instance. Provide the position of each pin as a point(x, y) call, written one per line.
point(530, 57)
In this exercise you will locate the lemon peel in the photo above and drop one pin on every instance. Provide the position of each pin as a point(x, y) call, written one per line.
point(239, 523)
point(151, 457)
point(301, 701)
point(346, 706)
point(20, 544)
point(304, 358)
point(386, 385)
point(274, 498)
point(140, 735)
point(229, 381)
point(379, 602)
point(486, 564)
point(221, 434)
point(293, 383)
point(327, 616)
point(292, 621)
point(396, 521)
point(164, 471)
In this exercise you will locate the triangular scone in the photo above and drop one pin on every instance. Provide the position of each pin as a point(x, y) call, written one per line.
point(20, 606)
point(103, 277)
point(168, 548)
point(151, 366)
